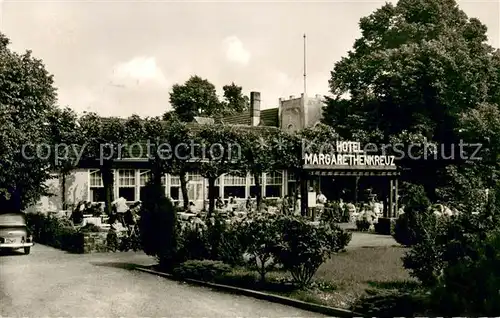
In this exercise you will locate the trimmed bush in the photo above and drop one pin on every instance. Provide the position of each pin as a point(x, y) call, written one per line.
point(55, 232)
point(304, 247)
point(408, 227)
point(206, 270)
point(157, 226)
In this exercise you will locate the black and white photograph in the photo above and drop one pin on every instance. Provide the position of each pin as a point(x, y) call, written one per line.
point(249, 158)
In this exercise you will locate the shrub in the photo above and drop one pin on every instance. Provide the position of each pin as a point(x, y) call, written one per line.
point(444, 242)
point(304, 247)
point(470, 287)
point(157, 227)
point(261, 238)
point(55, 232)
point(214, 232)
point(407, 228)
point(206, 270)
point(193, 244)
point(232, 246)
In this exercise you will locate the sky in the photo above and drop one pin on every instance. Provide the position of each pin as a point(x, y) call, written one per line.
point(119, 58)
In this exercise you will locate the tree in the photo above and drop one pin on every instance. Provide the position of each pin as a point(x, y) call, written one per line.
point(27, 96)
point(418, 66)
point(196, 97)
point(66, 142)
point(286, 151)
point(256, 156)
point(234, 100)
point(155, 135)
point(105, 138)
point(217, 152)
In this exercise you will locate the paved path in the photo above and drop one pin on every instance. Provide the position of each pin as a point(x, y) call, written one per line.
point(52, 283)
point(360, 239)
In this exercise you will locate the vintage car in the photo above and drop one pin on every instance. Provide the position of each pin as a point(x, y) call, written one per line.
point(14, 234)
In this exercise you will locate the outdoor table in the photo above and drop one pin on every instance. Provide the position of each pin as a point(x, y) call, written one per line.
point(185, 215)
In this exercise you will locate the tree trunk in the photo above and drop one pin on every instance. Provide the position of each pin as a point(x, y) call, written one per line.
point(108, 182)
point(258, 194)
point(157, 174)
point(304, 193)
point(185, 198)
point(211, 196)
point(63, 190)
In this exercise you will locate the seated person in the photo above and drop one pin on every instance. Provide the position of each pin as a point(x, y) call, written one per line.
point(248, 204)
point(77, 215)
point(219, 204)
point(192, 208)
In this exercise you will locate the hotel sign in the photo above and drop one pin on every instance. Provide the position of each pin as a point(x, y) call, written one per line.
point(348, 153)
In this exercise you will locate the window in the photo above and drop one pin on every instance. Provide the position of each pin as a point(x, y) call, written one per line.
point(274, 182)
point(175, 185)
point(97, 193)
point(175, 188)
point(144, 177)
point(126, 184)
point(234, 186)
point(191, 176)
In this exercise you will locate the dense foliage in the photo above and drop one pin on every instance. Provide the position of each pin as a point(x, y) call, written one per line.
point(205, 270)
point(27, 99)
point(158, 226)
point(198, 97)
point(303, 247)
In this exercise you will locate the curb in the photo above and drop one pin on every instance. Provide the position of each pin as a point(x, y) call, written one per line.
point(329, 311)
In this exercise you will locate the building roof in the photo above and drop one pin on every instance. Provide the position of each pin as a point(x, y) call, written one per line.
point(268, 117)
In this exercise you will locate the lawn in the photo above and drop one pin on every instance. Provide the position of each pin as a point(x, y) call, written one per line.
point(358, 273)
point(343, 280)
point(361, 272)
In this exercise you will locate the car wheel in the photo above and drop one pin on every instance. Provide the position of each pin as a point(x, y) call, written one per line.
point(27, 250)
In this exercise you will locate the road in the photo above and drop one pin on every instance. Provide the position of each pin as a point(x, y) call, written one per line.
point(52, 283)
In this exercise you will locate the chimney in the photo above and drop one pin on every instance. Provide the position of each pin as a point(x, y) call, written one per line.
point(255, 108)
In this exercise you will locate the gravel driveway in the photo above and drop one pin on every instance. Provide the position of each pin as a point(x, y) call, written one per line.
point(52, 283)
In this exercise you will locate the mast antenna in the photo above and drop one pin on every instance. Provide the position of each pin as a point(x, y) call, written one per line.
point(305, 70)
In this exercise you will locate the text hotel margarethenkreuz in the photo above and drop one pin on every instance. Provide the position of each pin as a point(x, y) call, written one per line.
point(348, 153)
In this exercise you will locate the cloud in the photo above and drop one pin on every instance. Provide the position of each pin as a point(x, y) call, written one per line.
point(235, 51)
point(141, 70)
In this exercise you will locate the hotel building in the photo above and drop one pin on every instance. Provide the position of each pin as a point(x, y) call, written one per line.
point(85, 182)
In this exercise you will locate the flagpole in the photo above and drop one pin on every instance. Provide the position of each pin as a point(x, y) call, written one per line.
point(305, 76)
